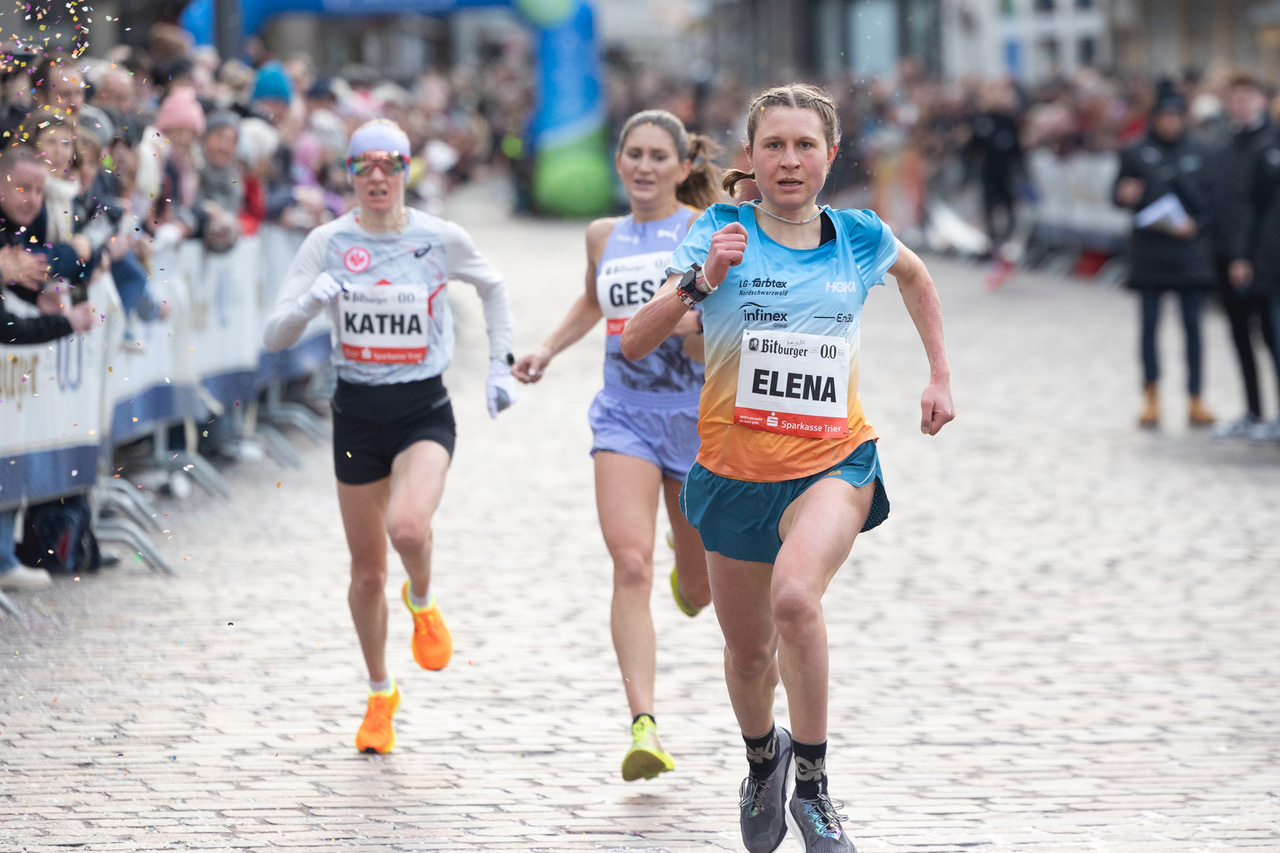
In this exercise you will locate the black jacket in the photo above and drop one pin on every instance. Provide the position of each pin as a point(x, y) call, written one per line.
point(1230, 166)
point(63, 263)
point(28, 330)
point(1156, 258)
point(995, 152)
point(1262, 228)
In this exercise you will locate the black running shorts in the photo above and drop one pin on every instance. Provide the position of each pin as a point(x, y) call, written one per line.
point(373, 423)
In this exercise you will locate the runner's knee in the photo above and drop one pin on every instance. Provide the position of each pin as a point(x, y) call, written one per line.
point(750, 660)
point(408, 536)
point(368, 576)
point(795, 609)
point(632, 568)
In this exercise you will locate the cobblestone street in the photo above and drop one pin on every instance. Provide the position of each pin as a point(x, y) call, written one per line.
point(1065, 638)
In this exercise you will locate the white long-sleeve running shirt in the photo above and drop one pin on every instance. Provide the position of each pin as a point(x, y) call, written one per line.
point(393, 319)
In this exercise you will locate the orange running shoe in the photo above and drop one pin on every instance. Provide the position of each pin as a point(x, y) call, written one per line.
point(432, 642)
point(376, 733)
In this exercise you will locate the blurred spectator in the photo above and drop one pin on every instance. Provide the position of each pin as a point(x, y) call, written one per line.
point(176, 214)
point(1232, 169)
point(59, 90)
point(24, 273)
point(1262, 248)
point(995, 152)
point(1172, 251)
point(221, 191)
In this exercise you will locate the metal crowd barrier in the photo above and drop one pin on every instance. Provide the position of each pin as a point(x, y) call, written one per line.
point(65, 405)
point(1073, 211)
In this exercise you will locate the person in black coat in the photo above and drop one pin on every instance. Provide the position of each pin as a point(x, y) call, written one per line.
point(994, 152)
point(1262, 247)
point(1230, 168)
point(1173, 252)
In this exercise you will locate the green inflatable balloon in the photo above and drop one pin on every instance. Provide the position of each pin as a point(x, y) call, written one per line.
point(573, 181)
point(545, 13)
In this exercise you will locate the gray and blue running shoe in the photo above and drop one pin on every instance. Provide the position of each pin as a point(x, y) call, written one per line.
point(819, 825)
point(763, 803)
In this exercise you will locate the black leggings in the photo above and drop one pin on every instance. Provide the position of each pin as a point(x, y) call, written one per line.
point(1243, 309)
point(1192, 299)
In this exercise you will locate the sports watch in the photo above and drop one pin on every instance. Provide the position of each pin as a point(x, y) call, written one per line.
point(693, 287)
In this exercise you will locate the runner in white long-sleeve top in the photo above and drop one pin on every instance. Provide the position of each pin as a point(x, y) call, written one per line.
point(381, 273)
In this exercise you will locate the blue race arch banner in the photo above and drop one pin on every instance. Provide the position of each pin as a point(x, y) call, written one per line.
point(571, 170)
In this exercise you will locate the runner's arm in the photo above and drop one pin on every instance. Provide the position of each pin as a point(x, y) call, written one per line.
point(289, 317)
point(921, 299)
point(467, 264)
point(582, 315)
point(663, 315)
point(654, 322)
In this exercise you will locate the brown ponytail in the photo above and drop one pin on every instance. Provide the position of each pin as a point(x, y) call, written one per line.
point(731, 178)
point(699, 189)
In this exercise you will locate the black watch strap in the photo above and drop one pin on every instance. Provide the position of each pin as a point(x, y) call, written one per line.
point(691, 288)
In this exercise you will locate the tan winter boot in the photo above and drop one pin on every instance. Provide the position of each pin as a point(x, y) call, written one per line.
point(1198, 415)
point(1150, 417)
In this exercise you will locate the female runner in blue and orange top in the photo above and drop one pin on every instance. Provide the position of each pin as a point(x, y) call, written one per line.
point(644, 422)
point(787, 472)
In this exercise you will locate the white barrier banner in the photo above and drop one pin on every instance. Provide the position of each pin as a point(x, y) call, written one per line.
point(148, 381)
point(223, 307)
point(51, 414)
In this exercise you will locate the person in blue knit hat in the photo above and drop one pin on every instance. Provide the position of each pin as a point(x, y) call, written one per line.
point(272, 91)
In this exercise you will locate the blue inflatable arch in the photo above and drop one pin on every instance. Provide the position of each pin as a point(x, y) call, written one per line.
point(572, 175)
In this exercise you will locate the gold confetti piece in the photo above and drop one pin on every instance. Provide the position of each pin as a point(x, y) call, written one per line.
point(277, 485)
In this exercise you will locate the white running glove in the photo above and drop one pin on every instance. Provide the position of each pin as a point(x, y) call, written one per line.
point(500, 390)
point(322, 292)
point(168, 236)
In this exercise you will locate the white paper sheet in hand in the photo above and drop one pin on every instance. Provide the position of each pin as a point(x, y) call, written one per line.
point(1165, 212)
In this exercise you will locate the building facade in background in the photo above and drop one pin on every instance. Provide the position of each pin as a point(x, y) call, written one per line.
point(1028, 40)
point(1169, 36)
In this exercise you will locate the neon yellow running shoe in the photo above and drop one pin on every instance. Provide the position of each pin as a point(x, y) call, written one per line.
point(432, 642)
point(685, 607)
point(646, 757)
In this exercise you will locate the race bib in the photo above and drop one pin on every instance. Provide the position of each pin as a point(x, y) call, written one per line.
point(793, 384)
point(384, 323)
point(625, 284)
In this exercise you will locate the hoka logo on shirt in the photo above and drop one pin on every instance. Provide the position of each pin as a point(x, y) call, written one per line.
point(842, 287)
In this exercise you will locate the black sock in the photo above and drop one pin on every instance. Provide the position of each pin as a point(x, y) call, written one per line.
point(638, 716)
point(811, 769)
point(762, 753)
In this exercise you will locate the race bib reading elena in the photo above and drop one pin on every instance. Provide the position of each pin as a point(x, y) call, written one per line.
point(384, 323)
point(794, 384)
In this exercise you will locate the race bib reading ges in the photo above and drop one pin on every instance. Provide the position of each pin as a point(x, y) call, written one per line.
point(794, 384)
point(384, 323)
